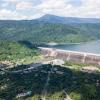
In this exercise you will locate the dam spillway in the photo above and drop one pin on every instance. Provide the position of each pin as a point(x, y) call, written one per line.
point(73, 56)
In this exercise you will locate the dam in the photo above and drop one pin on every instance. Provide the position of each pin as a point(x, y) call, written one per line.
point(73, 56)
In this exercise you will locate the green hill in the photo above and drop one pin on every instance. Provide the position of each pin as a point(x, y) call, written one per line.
point(40, 32)
point(13, 51)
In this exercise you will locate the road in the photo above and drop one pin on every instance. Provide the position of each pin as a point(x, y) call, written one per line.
point(26, 70)
point(31, 67)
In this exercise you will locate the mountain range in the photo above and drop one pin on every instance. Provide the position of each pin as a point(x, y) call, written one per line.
point(51, 28)
point(67, 20)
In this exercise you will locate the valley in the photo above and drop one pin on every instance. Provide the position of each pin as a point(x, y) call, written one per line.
point(28, 74)
point(51, 81)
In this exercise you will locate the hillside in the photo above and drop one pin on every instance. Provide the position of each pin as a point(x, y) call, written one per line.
point(17, 53)
point(63, 82)
point(23, 74)
point(39, 31)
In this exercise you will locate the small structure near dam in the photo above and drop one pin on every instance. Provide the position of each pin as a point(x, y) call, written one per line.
point(73, 56)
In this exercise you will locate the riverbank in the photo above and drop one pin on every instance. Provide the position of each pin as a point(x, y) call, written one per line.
point(55, 43)
point(90, 47)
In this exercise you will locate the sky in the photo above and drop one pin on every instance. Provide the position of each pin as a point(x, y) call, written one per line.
point(31, 9)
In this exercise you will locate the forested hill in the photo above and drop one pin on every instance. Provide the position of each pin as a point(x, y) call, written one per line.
point(18, 52)
point(40, 31)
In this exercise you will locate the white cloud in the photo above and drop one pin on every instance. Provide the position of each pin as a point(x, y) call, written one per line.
point(7, 14)
point(13, 15)
point(58, 7)
point(87, 8)
point(53, 4)
point(24, 5)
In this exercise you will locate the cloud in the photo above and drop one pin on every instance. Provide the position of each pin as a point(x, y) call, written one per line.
point(4, 5)
point(14, 15)
point(34, 8)
point(57, 7)
point(11, 1)
point(88, 8)
point(24, 5)
point(7, 14)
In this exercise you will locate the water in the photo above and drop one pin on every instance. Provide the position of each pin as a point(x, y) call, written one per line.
point(90, 47)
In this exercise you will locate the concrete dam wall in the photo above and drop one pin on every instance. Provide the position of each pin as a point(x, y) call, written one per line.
point(78, 57)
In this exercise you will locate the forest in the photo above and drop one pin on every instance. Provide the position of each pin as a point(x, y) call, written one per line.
point(17, 52)
point(44, 32)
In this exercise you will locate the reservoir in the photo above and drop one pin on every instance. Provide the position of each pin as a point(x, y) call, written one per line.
point(90, 47)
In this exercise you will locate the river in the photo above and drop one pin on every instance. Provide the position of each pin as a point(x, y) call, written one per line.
point(90, 47)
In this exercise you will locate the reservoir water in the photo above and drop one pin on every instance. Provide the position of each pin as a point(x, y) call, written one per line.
point(90, 47)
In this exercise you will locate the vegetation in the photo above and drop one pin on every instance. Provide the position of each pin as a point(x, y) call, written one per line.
point(79, 66)
point(75, 65)
point(78, 85)
point(16, 46)
point(16, 52)
point(40, 32)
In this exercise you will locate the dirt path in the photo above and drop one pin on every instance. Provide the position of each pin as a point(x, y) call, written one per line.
point(67, 96)
point(44, 92)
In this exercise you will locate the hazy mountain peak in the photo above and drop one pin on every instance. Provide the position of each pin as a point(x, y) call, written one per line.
point(66, 20)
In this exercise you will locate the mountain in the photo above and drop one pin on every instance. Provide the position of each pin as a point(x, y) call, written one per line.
point(50, 28)
point(67, 20)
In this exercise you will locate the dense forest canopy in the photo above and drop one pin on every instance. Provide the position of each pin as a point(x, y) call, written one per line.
point(16, 51)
